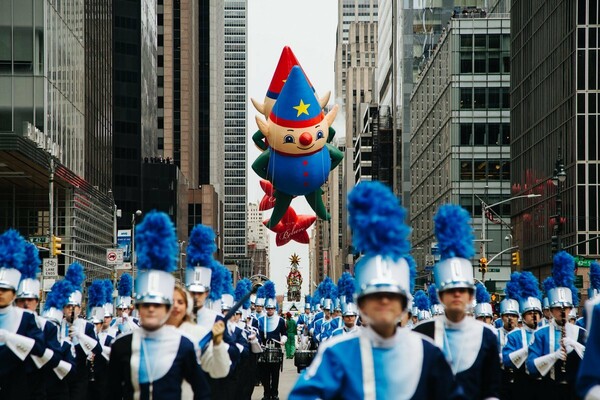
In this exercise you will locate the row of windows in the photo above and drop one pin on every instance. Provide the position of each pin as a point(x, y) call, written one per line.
point(491, 134)
point(125, 48)
point(484, 170)
point(484, 62)
point(487, 97)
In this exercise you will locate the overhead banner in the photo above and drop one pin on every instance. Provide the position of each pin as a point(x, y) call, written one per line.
point(124, 242)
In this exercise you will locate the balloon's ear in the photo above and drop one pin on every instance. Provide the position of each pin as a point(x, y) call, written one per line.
point(325, 99)
point(260, 107)
point(263, 126)
point(330, 117)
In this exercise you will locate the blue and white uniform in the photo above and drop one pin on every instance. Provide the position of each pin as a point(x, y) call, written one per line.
point(343, 330)
point(542, 359)
point(588, 379)
point(144, 362)
point(514, 356)
point(20, 337)
point(271, 329)
point(365, 366)
point(471, 348)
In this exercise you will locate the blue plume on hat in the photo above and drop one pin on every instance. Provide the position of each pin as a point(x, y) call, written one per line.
point(125, 285)
point(421, 300)
point(481, 294)
point(108, 290)
point(96, 294)
point(75, 275)
point(308, 299)
point(156, 243)
point(378, 221)
point(218, 281)
point(201, 247)
point(412, 269)
point(346, 286)
point(316, 298)
point(563, 272)
point(433, 297)
point(595, 275)
point(269, 290)
point(228, 282)
point(260, 293)
point(59, 295)
point(513, 289)
point(529, 286)
point(243, 287)
point(453, 232)
point(11, 249)
point(548, 284)
point(563, 269)
point(329, 290)
point(31, 262)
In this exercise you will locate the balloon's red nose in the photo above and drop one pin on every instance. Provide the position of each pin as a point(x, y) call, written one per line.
point(305, 139)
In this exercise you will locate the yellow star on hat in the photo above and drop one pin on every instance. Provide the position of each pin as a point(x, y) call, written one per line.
point(301, 108)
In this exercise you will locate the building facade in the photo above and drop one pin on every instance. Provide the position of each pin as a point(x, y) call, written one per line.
point(235, 137)
point(460, 146)
point(555, 97)
point(134, 100)
point(356, 53)
point(50, 124)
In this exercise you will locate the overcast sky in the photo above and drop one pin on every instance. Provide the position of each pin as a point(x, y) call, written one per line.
point(309, 28)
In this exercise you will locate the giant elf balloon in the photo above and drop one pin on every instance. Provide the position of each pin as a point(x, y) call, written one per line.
point(287, 61)
point(299, 160)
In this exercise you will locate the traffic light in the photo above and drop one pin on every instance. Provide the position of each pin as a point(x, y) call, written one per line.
point(554, 243)
point(55, 246)
point(483, 264)
point(516, 258)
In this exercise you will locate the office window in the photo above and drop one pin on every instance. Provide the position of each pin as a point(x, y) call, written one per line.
point(466, 98)
point(466, 134)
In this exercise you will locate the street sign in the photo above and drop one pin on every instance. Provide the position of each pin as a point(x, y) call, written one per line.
point(38, 239)
point(48, 282)
point(435, 251)
point(124, 266)
point(50, 267)
point(493, 270)
point(114, 256)
point(583, 262)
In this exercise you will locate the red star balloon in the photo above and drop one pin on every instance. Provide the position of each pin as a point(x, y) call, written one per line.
point(268, 200)
point(292, 227)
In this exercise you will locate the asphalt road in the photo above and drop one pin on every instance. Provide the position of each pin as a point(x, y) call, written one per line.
point(287, 379)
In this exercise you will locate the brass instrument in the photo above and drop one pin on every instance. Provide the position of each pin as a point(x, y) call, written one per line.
point(563, 333)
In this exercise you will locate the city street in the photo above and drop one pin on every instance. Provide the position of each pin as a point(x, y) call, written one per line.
point(287, 379)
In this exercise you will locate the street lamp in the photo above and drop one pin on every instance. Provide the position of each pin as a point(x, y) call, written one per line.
point(181, 267)
point(558, 179)
point(136, 214)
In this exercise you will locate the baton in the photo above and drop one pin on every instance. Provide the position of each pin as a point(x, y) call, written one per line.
point(206, 339)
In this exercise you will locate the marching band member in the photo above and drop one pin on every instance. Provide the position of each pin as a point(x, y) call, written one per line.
point(588, 378)
point(349, 315)
point(152, 361)
point(124, 322)
point(483, 309)
point(28, 299)
point(273, 336)
point(55, 379)
point(80, 333)
point(436, 307)
point(546, 311)
point(509, 312)
point(247, 365)
point(366, 365)
point(514, 354)
point(20, 336)
point(469, 345)
point(558, 347)
point(99, 298)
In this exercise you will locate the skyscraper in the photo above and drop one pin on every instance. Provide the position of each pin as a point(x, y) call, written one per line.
point(554, 114)
point(55, 122)
point(235, 138)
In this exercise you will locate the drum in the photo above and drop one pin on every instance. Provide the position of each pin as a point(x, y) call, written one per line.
point(270, 356)
point(303, 358)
